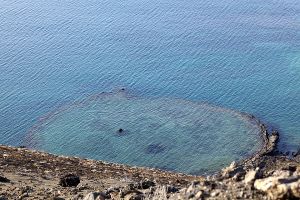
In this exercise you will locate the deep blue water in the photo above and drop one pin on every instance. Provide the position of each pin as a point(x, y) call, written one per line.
point(243, 55)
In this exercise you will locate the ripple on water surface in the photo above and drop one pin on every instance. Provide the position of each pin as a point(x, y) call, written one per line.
point(169, 134)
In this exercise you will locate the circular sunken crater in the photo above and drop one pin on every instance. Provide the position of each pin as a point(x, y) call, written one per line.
point(165, 133)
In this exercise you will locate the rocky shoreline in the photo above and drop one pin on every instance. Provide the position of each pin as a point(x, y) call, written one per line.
point(30, 174)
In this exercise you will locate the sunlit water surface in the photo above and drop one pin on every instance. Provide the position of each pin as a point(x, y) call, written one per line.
point(243, 55)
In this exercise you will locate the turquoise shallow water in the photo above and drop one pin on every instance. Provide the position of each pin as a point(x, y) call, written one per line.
point(243, 55)
point(169, 134)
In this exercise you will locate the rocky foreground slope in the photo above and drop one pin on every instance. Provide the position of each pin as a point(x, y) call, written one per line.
point(28, 174)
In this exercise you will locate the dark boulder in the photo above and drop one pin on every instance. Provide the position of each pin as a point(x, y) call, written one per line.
point(172, 189)
point(4, 179)
point(146, 184)
point(70, 180)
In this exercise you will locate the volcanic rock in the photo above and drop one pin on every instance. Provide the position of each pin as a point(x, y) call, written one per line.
point(70, 180)
point(4, 179)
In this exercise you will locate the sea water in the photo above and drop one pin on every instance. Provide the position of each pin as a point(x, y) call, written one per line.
point(170, 134)
point(243, 55)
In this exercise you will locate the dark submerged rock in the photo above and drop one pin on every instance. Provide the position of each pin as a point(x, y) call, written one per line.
point(70, 180)
point(121, 132)
point(155, 149)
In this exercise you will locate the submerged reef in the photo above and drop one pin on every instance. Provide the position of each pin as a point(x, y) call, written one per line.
point(152, 132)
